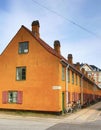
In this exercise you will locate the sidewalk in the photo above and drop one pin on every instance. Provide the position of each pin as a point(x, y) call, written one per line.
point(85, 115)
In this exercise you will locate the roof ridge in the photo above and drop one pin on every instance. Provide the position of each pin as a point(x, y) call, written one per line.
point(45, 45)
point(50, 49)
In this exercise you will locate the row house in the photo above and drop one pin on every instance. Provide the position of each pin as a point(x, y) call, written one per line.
point(94, 72)
point(36, 77)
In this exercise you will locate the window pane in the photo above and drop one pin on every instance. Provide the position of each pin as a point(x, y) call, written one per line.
point(20, 48)
point(21, 73)
point(63, 73)
point(80, 81)
point(23, 47)
point(12, 97)
point(14, 100)
point(76, 79)
point(72, 77)
point(18, 73)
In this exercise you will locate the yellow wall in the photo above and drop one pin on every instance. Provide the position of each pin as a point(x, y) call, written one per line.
point(41, 75)
point(43, 71)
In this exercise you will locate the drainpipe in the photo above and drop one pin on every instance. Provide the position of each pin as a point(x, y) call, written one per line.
point(67, 84)
point(82, 90)
point(67, 66)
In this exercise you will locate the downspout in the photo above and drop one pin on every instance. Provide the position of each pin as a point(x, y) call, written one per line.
point(82, 90)
point(66, 81)
point(67, 85)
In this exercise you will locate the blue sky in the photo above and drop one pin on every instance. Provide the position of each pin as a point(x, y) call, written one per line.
point(84, 46)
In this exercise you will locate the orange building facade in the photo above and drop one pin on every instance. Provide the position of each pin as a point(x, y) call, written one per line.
point(36, 77)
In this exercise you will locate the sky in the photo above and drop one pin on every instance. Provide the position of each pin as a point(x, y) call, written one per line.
point(75, 23)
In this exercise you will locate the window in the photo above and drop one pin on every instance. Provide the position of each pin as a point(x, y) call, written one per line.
point(68, 75)
point(12, 97)
point(23, 47)
point(80, 81)
point(63, 73)
point(72, 77)
point(76, 79)
point(21, 73)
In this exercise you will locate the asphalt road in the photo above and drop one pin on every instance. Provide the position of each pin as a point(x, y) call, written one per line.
point(14, 124)
point(11, 122)
point(86, 119)
point(83, 126)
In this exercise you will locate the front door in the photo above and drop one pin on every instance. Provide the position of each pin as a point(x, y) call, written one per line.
point(63, 104)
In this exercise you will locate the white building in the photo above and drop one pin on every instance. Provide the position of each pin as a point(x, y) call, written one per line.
point(94, 72)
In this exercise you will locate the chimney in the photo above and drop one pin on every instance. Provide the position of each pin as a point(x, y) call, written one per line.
point(78, 65)
point(86, 74)
point(35, 28)
point(57, 46)
point(83, 70)
point(89, 77)
point(70, 59)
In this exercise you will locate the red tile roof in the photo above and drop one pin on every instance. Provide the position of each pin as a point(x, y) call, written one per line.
point(53, 52)
point(49, 49)
point(45, 45)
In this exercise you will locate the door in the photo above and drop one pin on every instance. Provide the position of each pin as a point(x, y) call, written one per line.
point(63, 104)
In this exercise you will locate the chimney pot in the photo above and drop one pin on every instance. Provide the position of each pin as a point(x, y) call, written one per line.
point(70, 59)
point(57, 46)
point(35, 28)
point(78, 65)
point(83, 70)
